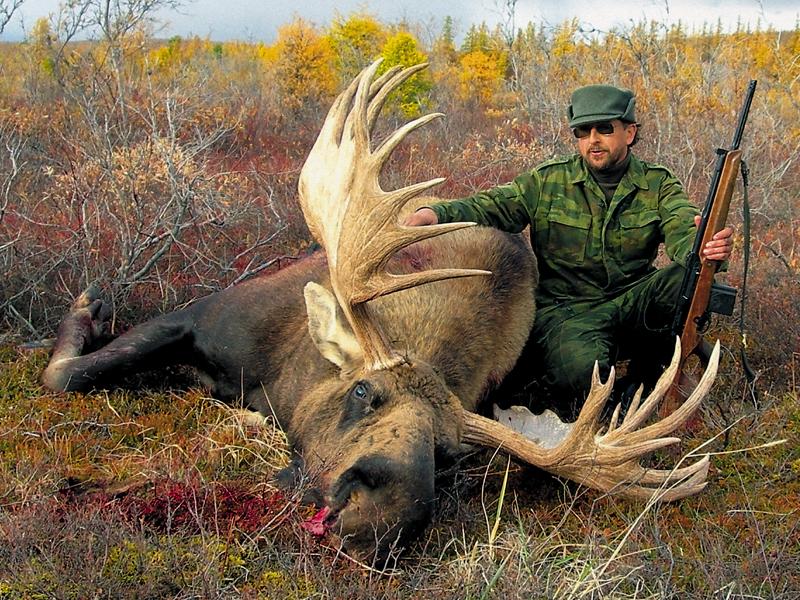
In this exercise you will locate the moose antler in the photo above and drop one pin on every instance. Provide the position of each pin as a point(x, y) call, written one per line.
point(354, 219)
point(605, 460)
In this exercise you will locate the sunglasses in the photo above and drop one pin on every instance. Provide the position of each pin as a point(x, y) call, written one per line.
point(603, 128)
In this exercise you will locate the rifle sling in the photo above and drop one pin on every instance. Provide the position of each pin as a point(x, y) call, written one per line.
point(748, 372)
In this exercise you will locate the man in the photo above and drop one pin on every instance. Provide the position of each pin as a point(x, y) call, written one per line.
point(597, 218)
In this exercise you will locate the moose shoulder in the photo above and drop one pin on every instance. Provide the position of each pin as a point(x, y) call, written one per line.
point(375, 354)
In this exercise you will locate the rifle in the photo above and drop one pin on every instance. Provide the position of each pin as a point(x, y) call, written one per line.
point(699, 295)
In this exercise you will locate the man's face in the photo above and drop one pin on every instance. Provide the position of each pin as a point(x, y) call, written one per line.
point(605, 144)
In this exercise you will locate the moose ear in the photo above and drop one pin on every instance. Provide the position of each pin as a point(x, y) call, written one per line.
point(330, 331)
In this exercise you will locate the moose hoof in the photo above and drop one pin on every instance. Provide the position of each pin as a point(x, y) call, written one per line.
point(100, 314)
point(82, 330)
point(90, 318)
point(85, 326)
point(89, 295)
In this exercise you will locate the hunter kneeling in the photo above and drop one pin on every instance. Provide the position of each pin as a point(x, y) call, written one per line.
point(597, 219)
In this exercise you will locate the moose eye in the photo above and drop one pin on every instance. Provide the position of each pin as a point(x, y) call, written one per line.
point(361, 391)
point(364, 395)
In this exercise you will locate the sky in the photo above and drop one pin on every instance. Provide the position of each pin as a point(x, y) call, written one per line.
point(258, 20)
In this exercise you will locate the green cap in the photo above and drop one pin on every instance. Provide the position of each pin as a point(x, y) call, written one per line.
point(594, 103)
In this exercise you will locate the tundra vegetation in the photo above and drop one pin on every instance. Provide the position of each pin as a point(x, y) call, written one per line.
point(168, 169)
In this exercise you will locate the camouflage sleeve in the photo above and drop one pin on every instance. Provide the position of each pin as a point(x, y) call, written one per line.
point(508, 207)
point(677, 219)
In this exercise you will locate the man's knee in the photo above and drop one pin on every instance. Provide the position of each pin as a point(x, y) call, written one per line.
point(670, 279)
point(568, 350)
point(576, 374)
point(650, 307)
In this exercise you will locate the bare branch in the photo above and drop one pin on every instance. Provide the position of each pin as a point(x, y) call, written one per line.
point(7, 9)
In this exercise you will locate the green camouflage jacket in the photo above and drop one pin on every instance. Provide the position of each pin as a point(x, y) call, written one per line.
point(587, 249)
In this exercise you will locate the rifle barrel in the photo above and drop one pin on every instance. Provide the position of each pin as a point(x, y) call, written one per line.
point(748, 100)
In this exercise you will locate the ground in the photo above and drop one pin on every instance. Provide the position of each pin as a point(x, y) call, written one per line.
point(166, 493)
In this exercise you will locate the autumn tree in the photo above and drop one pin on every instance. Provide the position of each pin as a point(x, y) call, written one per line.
point(445, 44)
point(478, 39)
point(176, 52)
point(305, 62)
point(547, 64)
point(482, 65)
point(356, 41)
point(402, 49)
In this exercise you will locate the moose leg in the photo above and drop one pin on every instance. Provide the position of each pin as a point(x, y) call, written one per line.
point(155, 342)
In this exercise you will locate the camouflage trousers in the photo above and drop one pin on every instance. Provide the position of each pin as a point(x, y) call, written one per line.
point(567, 339)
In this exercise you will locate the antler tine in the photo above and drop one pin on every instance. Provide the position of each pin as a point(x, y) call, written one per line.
point(588, 419)
point(634, 406)
point(388, 284)
point(398, 75)
point(326, 150)
point(636, 415)
point(356, 123)
point(331, 131)
point(666, 487)
point(608, 462)
point(662, 476)
point(378, 84)
point(389, 204)
point(674, 420)
point(388, 146)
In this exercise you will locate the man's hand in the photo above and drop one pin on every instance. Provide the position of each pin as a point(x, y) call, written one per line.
point(423, 216)
point(721, 244)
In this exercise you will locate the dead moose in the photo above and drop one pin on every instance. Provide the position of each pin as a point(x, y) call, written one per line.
point(376, 377)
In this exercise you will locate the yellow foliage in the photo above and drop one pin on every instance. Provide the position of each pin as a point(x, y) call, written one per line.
point(564, 44)
point(402, 49)
point(481, 75)
point(179, 51)
point(41, 44)
point(305, 63)
point(267, 54)
point(356, 41)
point(139, 174)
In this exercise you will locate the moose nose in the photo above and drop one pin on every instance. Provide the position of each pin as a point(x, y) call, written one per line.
point(369, 473)
point(384, 488)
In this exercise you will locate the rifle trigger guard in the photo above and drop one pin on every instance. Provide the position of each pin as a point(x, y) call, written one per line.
point(703, 322)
